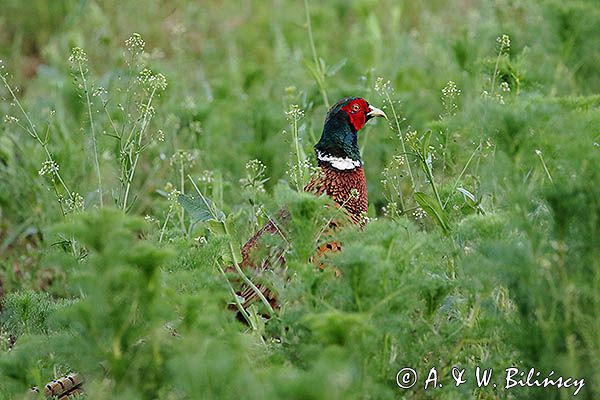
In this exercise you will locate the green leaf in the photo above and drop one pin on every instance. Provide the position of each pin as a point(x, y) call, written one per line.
point(425, 144)
point(433, 209)
point(323, 65)
point(335, 68)
point(201, 209)
point(467, 194)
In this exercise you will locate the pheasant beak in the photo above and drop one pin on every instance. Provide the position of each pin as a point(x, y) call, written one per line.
point(375, 112)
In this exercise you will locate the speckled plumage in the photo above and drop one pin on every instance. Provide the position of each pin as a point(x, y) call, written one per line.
point(340, 186)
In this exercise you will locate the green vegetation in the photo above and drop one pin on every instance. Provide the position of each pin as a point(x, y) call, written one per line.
point(484, 189)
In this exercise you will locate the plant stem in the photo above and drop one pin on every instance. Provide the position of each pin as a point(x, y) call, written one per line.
point(239, 305)
point(300, 181)
point(493, 88)
point(182, 183)
point(241, 273)
point(478, 148)
point(89, 109)
point(162, 230)
point(138, 147)
point(539, 154)
point(387, 95)
point(32, 131)
point(117, 135)
point(231, 249)
point(130, 82)
point(432, 183)
point(397, 191)
point(321, 78)
point(446, 134)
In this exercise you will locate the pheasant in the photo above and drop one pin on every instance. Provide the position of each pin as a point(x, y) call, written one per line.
point(341, 177)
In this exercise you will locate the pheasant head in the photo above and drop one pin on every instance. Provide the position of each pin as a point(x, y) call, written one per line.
point(338, 145)
point(343, 177)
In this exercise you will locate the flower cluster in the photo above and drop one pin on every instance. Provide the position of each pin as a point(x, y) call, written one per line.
point(99, 91)
point(497, 96)
point(295, 113)
point(450, 90)
point(49, 167)
point(410, 136)
point(382, 87)
point(73, 203)
point(146, 110)
point(503, 42)
point(255, 176)
point(78, 56)
point(158, 82)
point(297, 172)
point(419, 213)
point(151, 80)
point(9, 119)
point(450, 94)
point(150, 219)
point(172, 193)
point(398, 159)
point(390, 209)
point(144, 75)
point(207, 177)
point(135, 44)
point(391, 175)
point(183, 158)
point(255, 168)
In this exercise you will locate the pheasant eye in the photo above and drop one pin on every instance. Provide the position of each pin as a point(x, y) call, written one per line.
point(355, 107)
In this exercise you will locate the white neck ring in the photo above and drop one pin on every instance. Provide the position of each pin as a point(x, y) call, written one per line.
point(338, 162)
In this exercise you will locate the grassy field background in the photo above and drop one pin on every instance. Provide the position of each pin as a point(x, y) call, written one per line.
point(482, 249)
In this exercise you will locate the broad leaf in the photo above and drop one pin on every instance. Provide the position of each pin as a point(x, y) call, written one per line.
point(433, 209)
point(201, 209)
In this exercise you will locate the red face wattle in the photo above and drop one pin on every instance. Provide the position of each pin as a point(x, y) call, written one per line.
point(357, 110)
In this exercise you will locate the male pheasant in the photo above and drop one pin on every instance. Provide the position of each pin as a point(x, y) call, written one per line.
point(341, 177)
